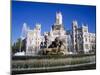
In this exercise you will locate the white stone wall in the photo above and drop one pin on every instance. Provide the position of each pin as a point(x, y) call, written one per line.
point(85, 39)
point(92, 41)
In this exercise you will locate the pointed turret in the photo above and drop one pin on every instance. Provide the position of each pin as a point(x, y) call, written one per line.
point(58, 18)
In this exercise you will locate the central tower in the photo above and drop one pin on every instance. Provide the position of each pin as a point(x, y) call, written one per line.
point(58, 25)
point(57, 29)
point(58, 18)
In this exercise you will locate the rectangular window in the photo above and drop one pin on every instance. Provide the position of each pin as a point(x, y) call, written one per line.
point(86, 46)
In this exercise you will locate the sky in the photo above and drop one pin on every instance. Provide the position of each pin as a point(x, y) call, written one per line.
point(44, 14)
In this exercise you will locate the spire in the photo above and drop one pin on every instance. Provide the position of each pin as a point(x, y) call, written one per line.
point(38, 26)
point(75, 23)
point(58, 18)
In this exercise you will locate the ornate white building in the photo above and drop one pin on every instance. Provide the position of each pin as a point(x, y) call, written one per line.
point(76, 40)
point(82, 40)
